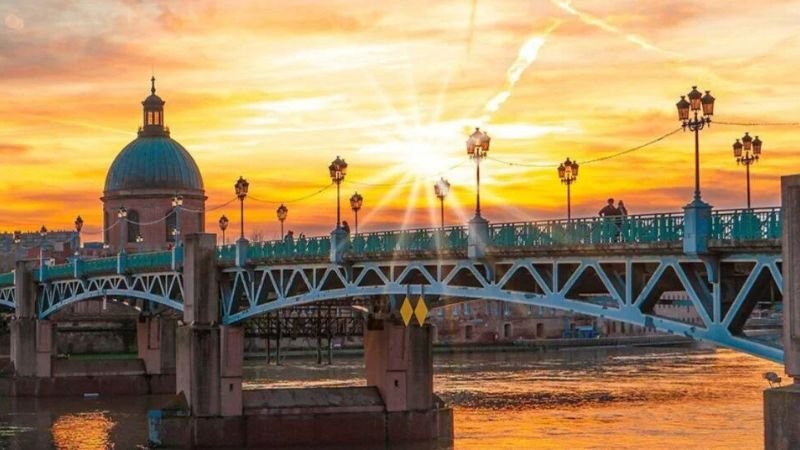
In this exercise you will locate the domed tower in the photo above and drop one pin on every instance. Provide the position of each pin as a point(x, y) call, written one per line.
point(144, 178)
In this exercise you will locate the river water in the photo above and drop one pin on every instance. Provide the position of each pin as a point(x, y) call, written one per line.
point(622, 398)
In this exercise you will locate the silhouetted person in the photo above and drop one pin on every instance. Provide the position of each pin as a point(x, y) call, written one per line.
point(623, 211)
point(346, 227)
point(609, 209)
point(289, 239)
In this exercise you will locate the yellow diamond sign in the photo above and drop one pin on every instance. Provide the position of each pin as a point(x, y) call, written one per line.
point(406, 312)
point(421, 311)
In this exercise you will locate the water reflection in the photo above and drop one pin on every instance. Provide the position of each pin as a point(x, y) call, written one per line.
point(580, 399)
point(83, 431)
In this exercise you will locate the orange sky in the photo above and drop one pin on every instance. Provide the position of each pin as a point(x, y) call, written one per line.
point(274, 90)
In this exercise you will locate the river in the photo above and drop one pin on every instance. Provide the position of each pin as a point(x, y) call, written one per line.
point(622, 398)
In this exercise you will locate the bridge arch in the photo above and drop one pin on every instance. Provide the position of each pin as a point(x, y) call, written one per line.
point(163, 288)
point(547, 282)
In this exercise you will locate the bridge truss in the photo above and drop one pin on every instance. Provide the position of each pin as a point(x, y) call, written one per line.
point(621, 288)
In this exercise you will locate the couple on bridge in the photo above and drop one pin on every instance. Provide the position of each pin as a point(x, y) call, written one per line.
point(615, 213)
point(610, 210)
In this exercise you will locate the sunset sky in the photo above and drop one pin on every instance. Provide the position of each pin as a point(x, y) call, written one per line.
point(275, 90)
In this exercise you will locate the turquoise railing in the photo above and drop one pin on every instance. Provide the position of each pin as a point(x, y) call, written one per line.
point(423, 239)
point(746, 224)
point(7, 279)
point(148, 260)
point(645, 228)
point(726, 225)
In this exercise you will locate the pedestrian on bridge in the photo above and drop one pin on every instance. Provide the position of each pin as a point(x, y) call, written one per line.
point(609, 210)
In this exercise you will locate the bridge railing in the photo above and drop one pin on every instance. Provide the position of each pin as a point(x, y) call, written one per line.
point(299, 248)
point(7, 279)
point(746, 224)
point(643, 228)
point(422, 239)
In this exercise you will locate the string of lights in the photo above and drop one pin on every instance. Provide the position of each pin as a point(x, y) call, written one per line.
point(295, 200)
point(214, 208)
point(602, 158)
point(759, 124)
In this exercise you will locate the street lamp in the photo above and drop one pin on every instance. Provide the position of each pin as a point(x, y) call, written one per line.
point(78, 228)
point(177, 203)
point(139, 240)
point(223, 225)
point(696, 101)
point(338, 169)
point(241, 187)
point(477, 148)
point(356, 202)
point(122, 213)
point(747, 153)
point(43, 235)
point(441, 188)
point(568, 173)
point(282, 212)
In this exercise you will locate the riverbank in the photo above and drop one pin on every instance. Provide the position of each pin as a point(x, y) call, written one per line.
point(532, 345)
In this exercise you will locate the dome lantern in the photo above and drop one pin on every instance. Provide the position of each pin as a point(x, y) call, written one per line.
point(153, 114)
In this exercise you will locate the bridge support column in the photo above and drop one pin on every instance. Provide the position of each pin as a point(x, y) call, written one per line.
point(31, 339)
point(477, 237)
point(696, 227)
point(782, 405)
point(155, 344)
point(399, 362)
point(209, 357)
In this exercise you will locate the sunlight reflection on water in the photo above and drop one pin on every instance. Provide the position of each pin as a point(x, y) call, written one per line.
point(579, 399)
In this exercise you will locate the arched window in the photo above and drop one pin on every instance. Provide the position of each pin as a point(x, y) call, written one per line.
point(170, 225)
point(133, 225)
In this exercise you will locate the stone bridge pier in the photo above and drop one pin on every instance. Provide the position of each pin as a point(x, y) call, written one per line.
point(36, 372)
point(211, 409)
point(782, 404)
point(31, 338)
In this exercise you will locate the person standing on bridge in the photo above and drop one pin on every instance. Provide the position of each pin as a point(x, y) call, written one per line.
point(609, 210)
point(610, 213)
point(621, 209)
point(346, 227)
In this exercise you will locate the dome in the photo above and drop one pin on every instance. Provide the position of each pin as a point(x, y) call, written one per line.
point(154, 162)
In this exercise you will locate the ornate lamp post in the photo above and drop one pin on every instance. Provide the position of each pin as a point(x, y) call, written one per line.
point(282, 212)
point(223, 225)
point(78, 228)
point(747, 153)
point(43, 235)
point(139, 240)
point(338, 169)
point(568, 173)
point(477, 148)
point(177, 203)
point(441, 188)
point(695, 124)
point(17, 240)
point(356, 202)
point(122, 213)
point(241, 186)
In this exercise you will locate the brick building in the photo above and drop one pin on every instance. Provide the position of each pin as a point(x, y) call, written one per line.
point(144, 178)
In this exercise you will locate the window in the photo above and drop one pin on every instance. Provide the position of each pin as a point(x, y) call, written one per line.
point(133, 225)
point(170, 225)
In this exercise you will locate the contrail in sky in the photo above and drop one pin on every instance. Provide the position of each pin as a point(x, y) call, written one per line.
point(599, 23)
point(526, 56)
point(471, 34)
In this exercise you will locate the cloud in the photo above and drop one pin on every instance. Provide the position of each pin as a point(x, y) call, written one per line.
point(14, 22)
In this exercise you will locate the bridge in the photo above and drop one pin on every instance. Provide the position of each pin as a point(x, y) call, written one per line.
point(727, 262)
point(611, 268)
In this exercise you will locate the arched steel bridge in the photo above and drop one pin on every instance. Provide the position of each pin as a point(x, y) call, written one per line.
point(615, 269)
